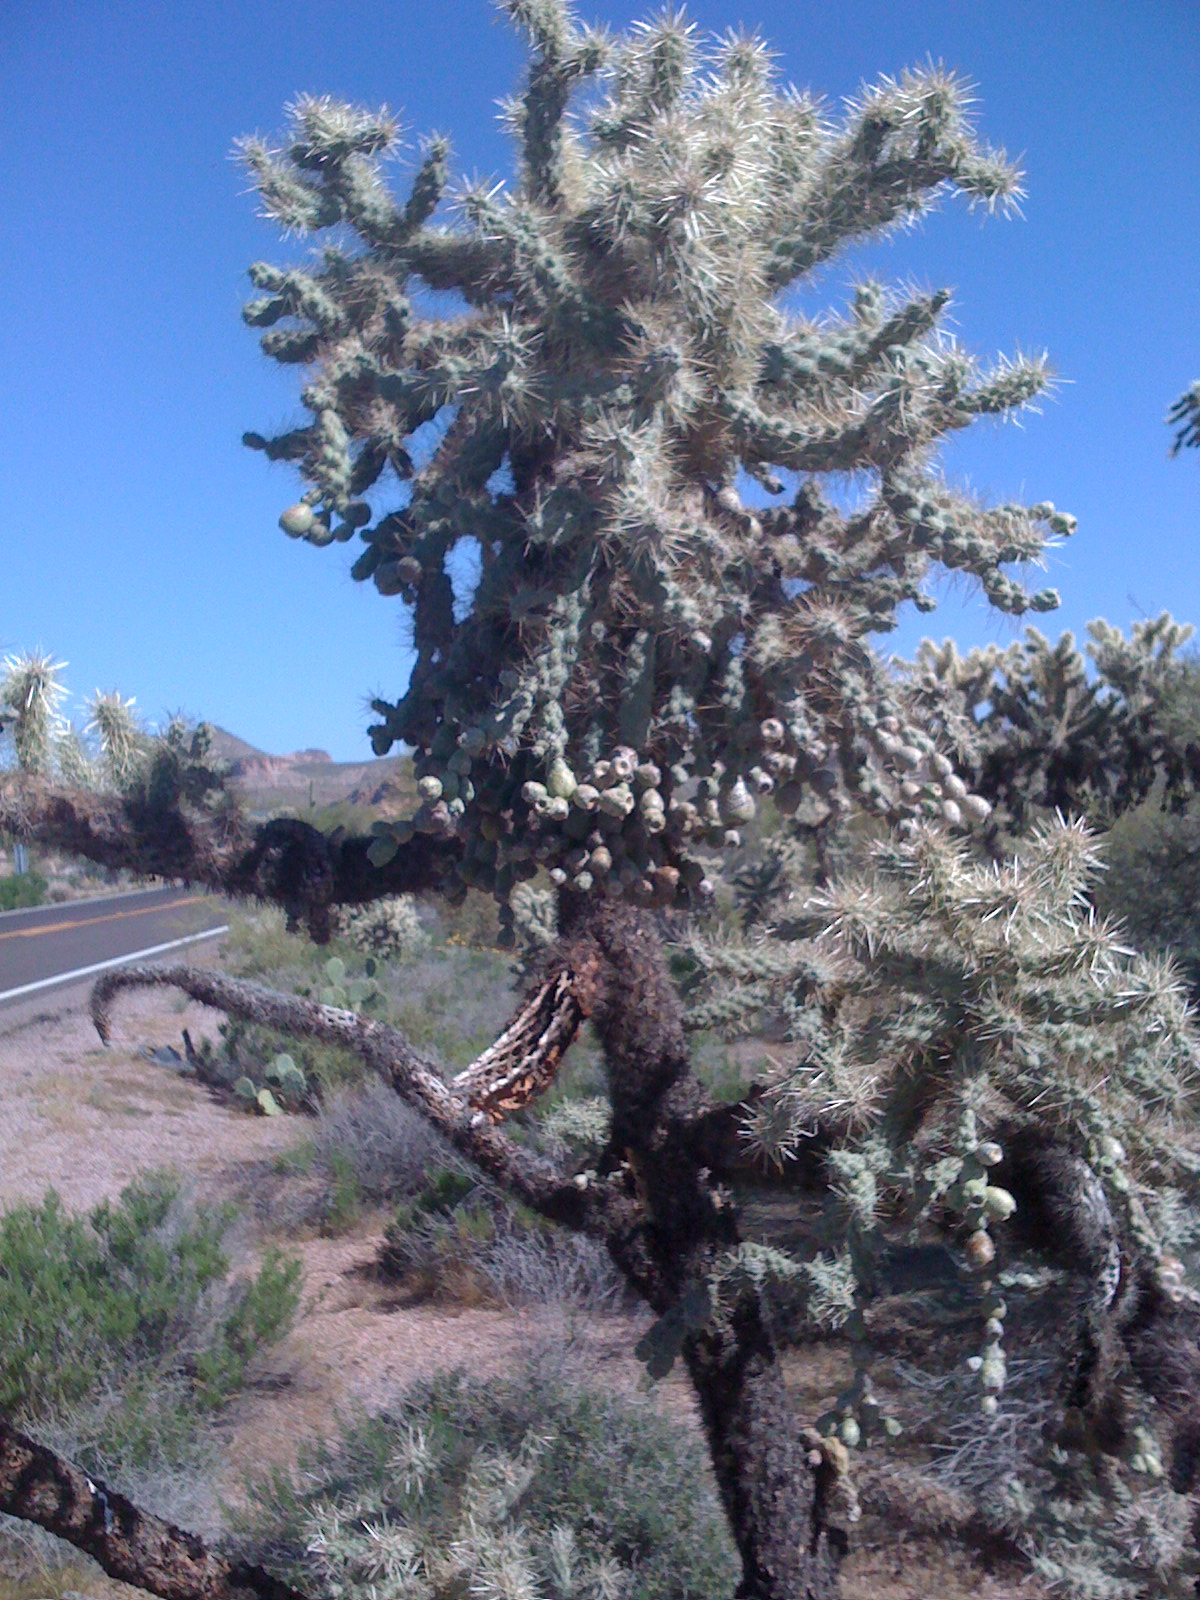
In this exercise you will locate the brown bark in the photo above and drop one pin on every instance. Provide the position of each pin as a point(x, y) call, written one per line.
point(774, 1495)
point(39, 1486)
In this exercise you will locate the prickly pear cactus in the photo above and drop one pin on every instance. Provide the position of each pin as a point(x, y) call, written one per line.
point(618, 653)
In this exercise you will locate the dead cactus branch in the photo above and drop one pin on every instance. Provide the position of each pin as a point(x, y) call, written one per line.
point(41, 1487)
point(525, 1059)
point(530, 1177)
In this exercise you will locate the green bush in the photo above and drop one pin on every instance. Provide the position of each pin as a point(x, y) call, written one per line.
point(566, 1489)
point(18, 892)
point(131, 1301)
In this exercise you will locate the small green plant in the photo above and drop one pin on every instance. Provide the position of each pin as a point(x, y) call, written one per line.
point(349, 994)
point(17, 893)
point(344, 1196)
point(535, 1484)
point(261, 1316)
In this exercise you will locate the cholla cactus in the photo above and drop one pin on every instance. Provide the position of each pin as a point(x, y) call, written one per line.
point(1034, 732)
point(389, 929)
point(590, 428)
point(934, 1000)
point(124, 744)
point(471, 1487)
point(361, 1549)
point(952, 1024)
point(74, 761)
point(32, 693)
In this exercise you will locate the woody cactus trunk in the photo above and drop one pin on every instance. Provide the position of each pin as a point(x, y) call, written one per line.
point(596, 485)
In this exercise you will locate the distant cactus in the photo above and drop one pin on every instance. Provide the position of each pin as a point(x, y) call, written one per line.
point(31, 694)
point(113, 750)
point(1033, 731)
point(124, 743)
point(389, 929)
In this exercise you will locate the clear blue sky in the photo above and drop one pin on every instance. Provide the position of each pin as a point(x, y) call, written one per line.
point(138, 538)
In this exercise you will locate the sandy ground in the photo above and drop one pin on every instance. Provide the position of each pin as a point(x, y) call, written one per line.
point(85, 1119)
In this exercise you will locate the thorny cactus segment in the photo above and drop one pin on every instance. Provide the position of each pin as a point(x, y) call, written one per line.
point(31, 695)
point(124, 744)
point(942, 1014)
point(642, 653)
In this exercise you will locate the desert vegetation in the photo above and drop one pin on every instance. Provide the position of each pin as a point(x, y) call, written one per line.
point(720, 969)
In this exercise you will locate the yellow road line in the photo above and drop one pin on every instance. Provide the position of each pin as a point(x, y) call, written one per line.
point(88, 922)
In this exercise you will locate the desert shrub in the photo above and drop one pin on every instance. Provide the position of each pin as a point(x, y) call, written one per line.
point(369, 1147)
point(29, 889)
point(258, 942)
point(127, 1314)
point(533, 1484)
point(459, 1238)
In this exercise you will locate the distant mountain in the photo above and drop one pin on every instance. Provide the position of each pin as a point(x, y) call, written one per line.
point(244, 757)
point(228, 747)
point(312, 777)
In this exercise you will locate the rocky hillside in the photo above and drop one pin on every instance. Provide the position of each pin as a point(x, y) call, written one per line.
point(311, 778)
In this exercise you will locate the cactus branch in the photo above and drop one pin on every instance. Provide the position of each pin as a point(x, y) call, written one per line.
point(39, 1486)
point(524, 1061)
point(284, 861)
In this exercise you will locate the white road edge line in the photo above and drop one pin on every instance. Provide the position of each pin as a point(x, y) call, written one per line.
point(117, 961)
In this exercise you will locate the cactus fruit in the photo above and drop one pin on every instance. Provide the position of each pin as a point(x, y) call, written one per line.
point(998, 1204)
point(297, 520)
point(737, 805)
point(560, 782)
point(980, 1250)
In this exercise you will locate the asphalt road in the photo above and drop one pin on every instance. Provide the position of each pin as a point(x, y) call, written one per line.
point(52, 945)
